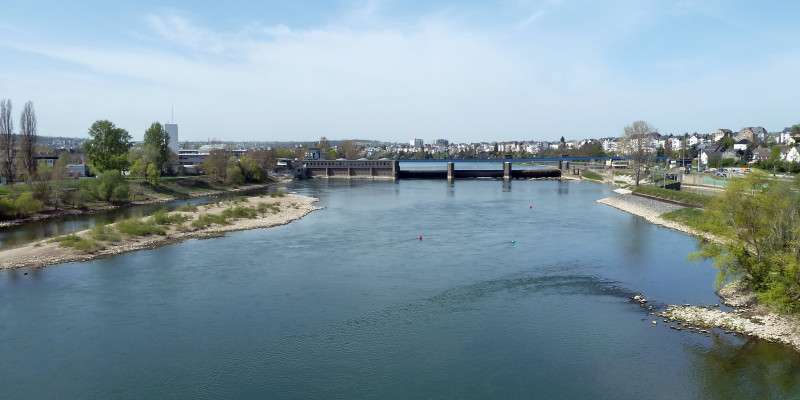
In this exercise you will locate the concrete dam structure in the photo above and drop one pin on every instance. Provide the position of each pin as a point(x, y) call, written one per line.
point(390, 169)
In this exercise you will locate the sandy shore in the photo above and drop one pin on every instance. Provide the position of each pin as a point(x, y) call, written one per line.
point(48, 252)
point(749, 318)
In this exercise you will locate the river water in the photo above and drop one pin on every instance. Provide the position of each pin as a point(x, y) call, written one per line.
point(516, 290)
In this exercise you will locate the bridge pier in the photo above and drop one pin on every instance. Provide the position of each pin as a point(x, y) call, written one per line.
point(450, 172)
point(506, 171)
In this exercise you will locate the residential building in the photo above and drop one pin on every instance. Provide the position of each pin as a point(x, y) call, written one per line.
point(721, 134)
point(742, 144)
point(790, 154)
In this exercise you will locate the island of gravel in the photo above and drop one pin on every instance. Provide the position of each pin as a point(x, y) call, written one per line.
point(263, 212)
point(748, 318)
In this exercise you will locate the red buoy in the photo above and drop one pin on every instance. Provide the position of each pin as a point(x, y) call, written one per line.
point(420, 237)
point(531, 206)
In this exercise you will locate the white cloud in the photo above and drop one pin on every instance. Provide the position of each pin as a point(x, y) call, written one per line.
point(363, 77)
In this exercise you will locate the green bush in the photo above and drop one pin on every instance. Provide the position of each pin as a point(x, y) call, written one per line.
point(278, 193)
point(137, 227)
point(25, 204)
point(76, 242)
point(162, 217)
point(111, 186)
point(7, 207)
point(104, 233)
point(239, 212)
point(205, 220)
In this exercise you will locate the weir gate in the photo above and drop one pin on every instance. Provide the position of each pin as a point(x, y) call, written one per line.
point(390, 169)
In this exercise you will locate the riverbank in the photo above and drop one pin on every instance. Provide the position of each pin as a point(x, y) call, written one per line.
point(748, 318)
point(161, 198)
point(651, 210)
point(271, 212)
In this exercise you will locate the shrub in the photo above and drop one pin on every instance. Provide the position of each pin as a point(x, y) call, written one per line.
point(137, 227)
point(239, 212)
point(205, 220)
point(76, 242)
point(104, 233)
point(278, 193)
point(25, 204)
point(7, 207)
point(162, 217)
point(188, 207)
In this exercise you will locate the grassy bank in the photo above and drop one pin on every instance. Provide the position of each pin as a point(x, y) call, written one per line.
point(674, 195)
point(593, 176)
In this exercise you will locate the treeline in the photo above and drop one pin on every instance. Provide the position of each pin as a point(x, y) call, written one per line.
point(112, 156)
point(757, 220)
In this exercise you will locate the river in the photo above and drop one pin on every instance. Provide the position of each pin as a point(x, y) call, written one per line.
point(516, 290)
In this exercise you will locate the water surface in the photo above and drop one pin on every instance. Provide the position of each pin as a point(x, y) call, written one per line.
point(516, 290)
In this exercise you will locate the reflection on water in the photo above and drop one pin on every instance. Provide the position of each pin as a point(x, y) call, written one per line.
point(745, 368)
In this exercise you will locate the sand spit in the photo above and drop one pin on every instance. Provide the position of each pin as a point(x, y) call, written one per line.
point(48, 252)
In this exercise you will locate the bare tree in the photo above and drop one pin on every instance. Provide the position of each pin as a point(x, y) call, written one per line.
point(27, 146)
point(348, 149)
point(59, 177)
point(6, 141)
point(215, 165)
point(634, 145)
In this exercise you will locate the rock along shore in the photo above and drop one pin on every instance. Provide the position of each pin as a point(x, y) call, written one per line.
point(748, 318)
point(48, 252)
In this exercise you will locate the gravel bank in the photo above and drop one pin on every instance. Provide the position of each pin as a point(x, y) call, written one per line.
point(750, 317)
point(47, 252)
point(651, 211)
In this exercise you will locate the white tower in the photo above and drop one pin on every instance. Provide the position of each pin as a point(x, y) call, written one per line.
point(172, 132)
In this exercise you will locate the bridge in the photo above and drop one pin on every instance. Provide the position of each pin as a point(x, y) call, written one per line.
point(391, 169)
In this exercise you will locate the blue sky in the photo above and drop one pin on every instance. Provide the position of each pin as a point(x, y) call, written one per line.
point(395, 70)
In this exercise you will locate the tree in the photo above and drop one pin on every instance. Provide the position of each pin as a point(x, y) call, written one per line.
point(41, 190)
point(348, 150)
point(6, 140)
point(251, 170)
point(60, 175)
point(757, 221)
point(111, 186)
point(27, 146)
point(775, 153)
point(215, 165)
point(108, 146)
point(153, 173)
point(324, 147)
point(728, 142)
point(156, 145)
point(139, 171)
point(263, 158)
point(634, 145)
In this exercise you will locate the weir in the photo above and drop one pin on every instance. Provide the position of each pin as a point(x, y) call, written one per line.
point(390, 169)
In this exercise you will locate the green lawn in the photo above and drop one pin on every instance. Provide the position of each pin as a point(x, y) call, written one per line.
point(674, 195)
point(691, 217)
point(593, 176)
